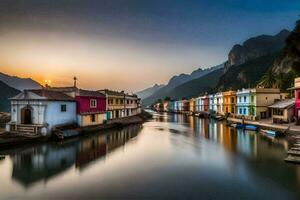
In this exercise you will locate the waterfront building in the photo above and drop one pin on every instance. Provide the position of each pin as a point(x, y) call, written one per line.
point(185, 106)
point(253, 103)
point(191, 106)
point(120, 104)
point(282, 111)
point(297, 98)
point(205, 104)
point(165, 106)
point(171, 107)
point(39, 111)
point(218, 103)
point(212, 103)
point(176, 106)
point(197, 104)
point(91, 107)
point(132, 105)
point(229, 102)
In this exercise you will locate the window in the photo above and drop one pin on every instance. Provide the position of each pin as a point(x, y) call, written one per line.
point(277, 111)
point(232, 99)
point(240, 111)
point(245, 98)
point(63, 108)
point(121, 101)
point(93, 103)
point(266, 98)
point(240, 99)
point(93, 118)
point(117, 101)
point(127, 101)
point(244, 111)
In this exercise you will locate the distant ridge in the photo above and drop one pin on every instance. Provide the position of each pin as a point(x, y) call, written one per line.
point(19, 83)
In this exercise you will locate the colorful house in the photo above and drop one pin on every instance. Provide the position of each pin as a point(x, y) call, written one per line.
point(212, 103)
point(39, 111)
point(132, 105)
point(205, 104)
point(171, 107)
point(218, 103)
point(91, 107)
point(197, 105)
point(297, 98)
point(176, 106)
point(282, 111)
point(229, 102)
point(192, 106)
point(185, 106)
point(253, 103)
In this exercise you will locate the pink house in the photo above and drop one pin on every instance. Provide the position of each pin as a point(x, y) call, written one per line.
point(90, 107)
point(205, 103)
point(297, 98)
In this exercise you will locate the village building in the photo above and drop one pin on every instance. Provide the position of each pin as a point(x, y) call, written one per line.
point(132, 105)
point(212, 104)
point(282, 111)
point(205, 104)
point(297, 99)
point(39, 111)
point(229, 102)
point(192, 106)
point(176, 106)
point(171, 106)
point(91, 107)
point(218, 103)
point(165, 106)
point(197, 105)
point(253, 103)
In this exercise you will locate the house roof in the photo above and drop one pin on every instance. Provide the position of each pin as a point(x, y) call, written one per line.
point(111, 92)
point(287, 103)
point(43, 94)
point(89, 93)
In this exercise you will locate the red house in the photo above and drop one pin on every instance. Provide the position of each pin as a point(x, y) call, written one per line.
point(91, 107)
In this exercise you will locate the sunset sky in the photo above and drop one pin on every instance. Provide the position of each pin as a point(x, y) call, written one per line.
point(129, 44)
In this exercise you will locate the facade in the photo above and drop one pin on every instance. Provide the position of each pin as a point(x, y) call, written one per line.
point(185, 106)
point(218, 103)
point(165, 106)
point(283, 111)
point(297, 98)
point(229, 102)
point(253, 103)
point(197, 104)
point(91, 107)
point(192, 105)
point(39, 111)
point(176, 106)
point(205, 104)
point(120, 104)
point(243, 97)
point(171, 107)
point(212, 103)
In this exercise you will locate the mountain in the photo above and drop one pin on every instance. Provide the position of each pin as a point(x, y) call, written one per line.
point(190, 88)
point(247, 74)
point(19, 83)
point(289, 59)
point(256, 47)
point(6, 92)
point(149, 91)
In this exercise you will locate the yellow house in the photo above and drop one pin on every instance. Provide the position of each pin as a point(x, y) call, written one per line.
point(229, 102)
point(192, 105)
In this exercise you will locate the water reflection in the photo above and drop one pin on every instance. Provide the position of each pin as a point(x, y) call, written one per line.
point(171, 157)
point(42, 162)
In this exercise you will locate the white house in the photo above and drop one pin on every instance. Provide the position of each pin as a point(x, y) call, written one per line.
point(38, 111)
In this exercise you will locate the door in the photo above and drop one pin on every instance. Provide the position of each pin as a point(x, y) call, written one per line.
point(26, 117)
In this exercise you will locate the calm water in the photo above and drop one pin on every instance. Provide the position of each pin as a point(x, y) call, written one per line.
point(172, 156)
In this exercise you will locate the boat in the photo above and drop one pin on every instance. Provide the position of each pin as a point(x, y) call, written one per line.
point(238, 125)
point(251, 127)
point(269, 133)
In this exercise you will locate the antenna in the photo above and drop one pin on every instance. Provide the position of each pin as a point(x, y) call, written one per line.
point(75, 81)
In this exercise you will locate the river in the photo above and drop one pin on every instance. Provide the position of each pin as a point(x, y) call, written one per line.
point(172, 156)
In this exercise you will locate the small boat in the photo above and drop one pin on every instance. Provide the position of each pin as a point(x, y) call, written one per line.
point(238, 126)
point(251, 127)
point(269, 133)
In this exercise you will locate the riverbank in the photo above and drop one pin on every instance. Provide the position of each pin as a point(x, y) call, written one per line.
point(267, 124)
point(11, 139)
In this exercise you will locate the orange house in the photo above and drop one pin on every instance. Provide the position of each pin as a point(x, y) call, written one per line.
point(192, 106)
point(229, 102)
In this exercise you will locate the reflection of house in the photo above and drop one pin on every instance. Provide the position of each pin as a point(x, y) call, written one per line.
point(38, 111)
point(283, 111)
point(41, 163)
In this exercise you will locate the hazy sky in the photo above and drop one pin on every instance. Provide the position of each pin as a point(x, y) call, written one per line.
point(129, 44)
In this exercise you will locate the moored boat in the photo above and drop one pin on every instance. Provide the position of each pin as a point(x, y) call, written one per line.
point(269, 133)
point(251, 127)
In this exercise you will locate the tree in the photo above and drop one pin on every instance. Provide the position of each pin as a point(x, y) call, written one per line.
point(268, 80)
